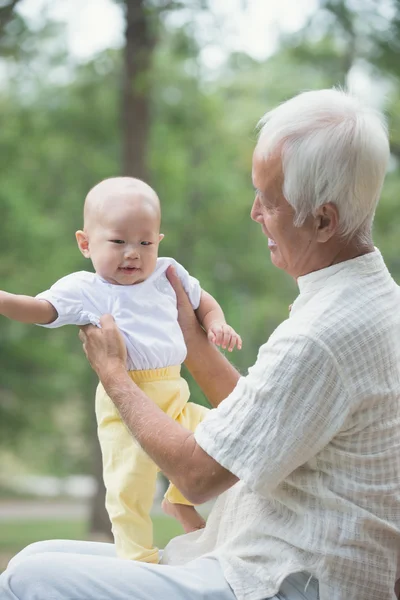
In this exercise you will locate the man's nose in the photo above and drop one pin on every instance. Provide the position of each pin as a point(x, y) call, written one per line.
point(255, 211)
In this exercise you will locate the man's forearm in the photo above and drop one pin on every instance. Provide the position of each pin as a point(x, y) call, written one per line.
point(169, 445)
point(215, 375)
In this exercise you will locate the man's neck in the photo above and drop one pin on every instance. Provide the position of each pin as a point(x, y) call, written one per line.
point(336, 251)
point(352, 250)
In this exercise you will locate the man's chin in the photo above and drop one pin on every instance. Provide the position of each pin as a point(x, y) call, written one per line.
point(276, 259)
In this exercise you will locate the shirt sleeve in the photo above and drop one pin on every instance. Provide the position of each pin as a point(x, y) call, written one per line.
point(290, 406)
point(191, 285)
point(65, 295)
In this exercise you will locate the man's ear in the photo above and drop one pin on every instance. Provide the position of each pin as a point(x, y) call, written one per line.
point(83, 243)
point(327, 220)
point(160, 237)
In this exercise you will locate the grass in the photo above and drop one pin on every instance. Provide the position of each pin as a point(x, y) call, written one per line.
point(15, 535)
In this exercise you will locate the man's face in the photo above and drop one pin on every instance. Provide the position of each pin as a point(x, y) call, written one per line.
point(292, 249)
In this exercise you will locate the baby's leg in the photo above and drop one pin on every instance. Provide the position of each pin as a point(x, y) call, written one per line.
point(130, 480)
point(174, 503)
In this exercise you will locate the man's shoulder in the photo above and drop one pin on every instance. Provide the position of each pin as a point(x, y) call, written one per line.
point(348, 317)
point(291, 331)
point(295, 351)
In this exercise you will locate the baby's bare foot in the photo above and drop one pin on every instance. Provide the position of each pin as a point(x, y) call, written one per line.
point(187, 516)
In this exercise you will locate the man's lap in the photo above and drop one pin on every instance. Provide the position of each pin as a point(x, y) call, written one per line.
point(68, 570)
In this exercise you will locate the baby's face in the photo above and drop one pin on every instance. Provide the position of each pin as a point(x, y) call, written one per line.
point(123, 242)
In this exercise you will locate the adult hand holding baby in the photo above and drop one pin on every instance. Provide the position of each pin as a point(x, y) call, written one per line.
point(104, 347)
point(218, 331)
point(186, 315)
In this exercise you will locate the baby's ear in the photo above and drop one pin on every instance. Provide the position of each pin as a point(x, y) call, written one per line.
point(160, 237)
point(83, 243)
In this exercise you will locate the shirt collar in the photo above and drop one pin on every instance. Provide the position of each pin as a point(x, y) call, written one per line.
point(367, 263)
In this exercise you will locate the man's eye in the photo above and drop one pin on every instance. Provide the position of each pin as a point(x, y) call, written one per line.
point(117, 241)
point(145, 243)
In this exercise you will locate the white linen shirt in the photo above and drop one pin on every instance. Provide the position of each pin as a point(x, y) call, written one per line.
point(313, 434)
point(146, 312)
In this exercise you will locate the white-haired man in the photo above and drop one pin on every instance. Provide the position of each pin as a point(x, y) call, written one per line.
point(304, 451)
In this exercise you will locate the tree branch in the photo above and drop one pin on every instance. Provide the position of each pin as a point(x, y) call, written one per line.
point(6, 13)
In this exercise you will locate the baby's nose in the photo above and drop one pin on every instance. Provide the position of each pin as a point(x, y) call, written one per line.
point(132, 252)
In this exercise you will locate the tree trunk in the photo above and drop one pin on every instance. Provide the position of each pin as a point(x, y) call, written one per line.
point(135, 115)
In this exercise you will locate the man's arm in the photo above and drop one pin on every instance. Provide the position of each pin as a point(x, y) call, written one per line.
point(174, 449)
point(215, 375)
point(26, 309)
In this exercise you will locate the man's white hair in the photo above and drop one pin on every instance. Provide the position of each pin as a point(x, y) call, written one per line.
point(333, 149)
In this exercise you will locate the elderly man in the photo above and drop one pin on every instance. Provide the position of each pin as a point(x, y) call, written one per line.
point(304, 451)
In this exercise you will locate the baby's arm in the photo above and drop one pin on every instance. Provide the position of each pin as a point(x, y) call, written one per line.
point(211, 316)
point(27, 309)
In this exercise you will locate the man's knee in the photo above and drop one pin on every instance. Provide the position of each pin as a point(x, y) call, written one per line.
point(16, 582)
point(25, 579)
point(32, 549)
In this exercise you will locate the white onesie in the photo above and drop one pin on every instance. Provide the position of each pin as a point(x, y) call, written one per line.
point(145, 312)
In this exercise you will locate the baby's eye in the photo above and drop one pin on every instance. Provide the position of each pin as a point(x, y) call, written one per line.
point(145, 243)
point(117, 241)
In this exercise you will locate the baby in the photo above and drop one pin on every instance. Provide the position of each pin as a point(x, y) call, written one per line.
point(121, 237)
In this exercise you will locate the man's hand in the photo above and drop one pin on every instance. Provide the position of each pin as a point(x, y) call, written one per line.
point(209, 367)
point(186, 315)
point(104, 348)
point(222, 334)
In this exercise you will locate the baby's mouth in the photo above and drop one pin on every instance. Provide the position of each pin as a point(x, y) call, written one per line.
point(129, 269)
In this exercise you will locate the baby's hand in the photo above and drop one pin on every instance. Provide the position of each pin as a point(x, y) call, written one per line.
point(222, 334)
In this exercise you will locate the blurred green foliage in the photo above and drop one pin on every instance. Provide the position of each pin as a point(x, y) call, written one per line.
point(60, 135)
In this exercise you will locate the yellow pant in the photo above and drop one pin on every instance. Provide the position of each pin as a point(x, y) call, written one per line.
point(129, 474)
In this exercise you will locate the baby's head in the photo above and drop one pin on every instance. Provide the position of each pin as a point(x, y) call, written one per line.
point(121, 231)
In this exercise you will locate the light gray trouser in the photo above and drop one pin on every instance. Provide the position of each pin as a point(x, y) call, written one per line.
point(67, 570)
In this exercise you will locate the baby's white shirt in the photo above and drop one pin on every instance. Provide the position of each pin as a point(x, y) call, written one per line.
point(146, 312)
